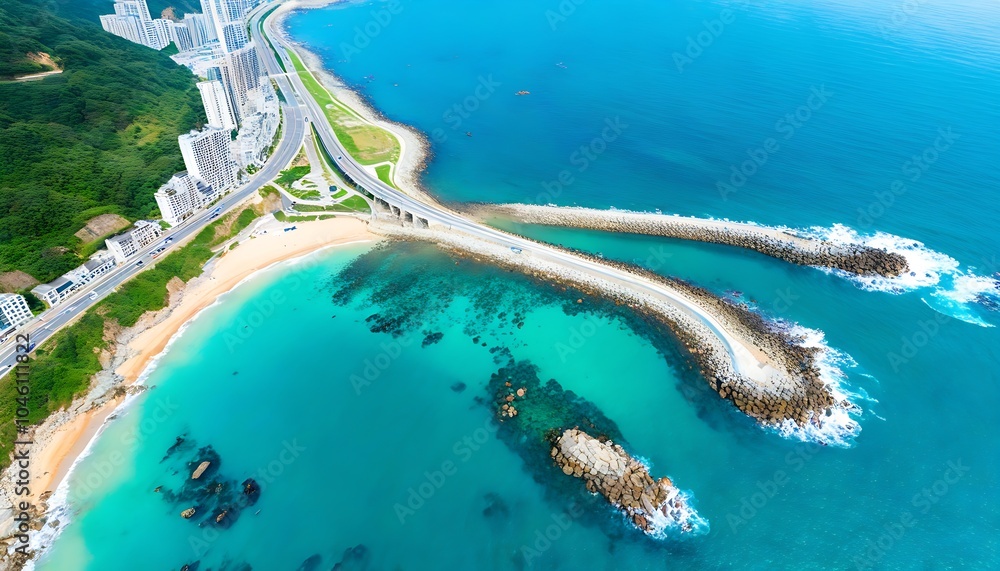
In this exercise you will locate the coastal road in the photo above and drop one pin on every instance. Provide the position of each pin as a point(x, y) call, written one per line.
point(747, 359)
point(48, 322)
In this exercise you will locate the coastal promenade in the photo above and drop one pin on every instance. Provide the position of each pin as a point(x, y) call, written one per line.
point(748, 366)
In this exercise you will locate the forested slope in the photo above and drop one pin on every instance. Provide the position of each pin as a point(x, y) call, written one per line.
point(99, 137)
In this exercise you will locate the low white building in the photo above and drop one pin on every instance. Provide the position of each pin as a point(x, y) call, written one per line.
point(56, 290)
point(14, 311)
point(61, 287)
point(126, 245)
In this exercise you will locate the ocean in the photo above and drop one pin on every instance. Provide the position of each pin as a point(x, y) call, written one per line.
point(359, 404)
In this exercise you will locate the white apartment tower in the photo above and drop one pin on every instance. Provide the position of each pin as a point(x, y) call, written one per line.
point(240, 72)
point(218, 108)
point(131, 21)
point(182, 196)
point(128, 27)
point(180, 34)
point(207, 156)
point(198, 28)
point(14, 311)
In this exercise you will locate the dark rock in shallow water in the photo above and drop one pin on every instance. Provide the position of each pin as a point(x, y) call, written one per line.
point(312, 563)
point(458, 387)
point(432, 339)
point(178, 445)
point(495, 506)
point(354, 559)
point(251, 491)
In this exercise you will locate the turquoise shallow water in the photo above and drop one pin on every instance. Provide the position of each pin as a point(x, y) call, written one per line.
point(917, 489)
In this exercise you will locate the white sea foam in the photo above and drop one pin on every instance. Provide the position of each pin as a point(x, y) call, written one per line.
point(839, 427)
point(955, 291)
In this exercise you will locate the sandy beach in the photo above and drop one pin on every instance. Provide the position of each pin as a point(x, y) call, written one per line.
point(67, 433)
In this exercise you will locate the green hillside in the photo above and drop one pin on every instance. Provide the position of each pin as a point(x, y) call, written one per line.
point(99, 137)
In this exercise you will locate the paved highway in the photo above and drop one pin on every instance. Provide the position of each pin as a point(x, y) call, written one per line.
point(51, 320)
point(746, 359)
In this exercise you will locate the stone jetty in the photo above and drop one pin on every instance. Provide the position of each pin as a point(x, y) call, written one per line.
point(775, 242)
point(652, 505)
point(766, 372)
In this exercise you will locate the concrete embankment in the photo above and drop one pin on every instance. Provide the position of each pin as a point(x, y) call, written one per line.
point(774, 242)
point(761, 370)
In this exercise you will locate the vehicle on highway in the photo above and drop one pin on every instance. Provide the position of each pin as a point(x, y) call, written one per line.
point(515, 249)
point(168, 240)
point(139, 263)
point(93, 295)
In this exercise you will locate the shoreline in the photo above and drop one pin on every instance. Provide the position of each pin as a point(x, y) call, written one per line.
point(414, 151)
point(62, 439)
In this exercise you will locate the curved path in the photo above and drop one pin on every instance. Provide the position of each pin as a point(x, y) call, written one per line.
point(747, 360)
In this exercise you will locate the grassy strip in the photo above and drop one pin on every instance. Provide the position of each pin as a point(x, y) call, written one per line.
point(287, 177)
point(353, 204)
point(63, 368)
point(277, 58)
point(383, 172)
point(340, 193)
point(367, 143)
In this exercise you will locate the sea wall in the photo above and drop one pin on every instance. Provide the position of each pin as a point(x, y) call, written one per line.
point(796, 393)
point(774, 242)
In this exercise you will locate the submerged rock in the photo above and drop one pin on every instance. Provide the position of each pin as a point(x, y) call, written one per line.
point(312, 563)
point(200, 470)
point(354, 559)
point(652, 505)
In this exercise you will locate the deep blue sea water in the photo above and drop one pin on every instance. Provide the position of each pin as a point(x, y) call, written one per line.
point(880, 83)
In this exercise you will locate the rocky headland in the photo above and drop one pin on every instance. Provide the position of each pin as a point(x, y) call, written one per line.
point(775, 242)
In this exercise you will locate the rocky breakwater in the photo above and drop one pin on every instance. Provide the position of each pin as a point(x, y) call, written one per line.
point(852, 258)
point(765, 371)
point(652, 505)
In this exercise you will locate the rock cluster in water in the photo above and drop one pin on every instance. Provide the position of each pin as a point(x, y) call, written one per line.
point(650, 504)
point(546, 432)
point(853, 258)
point(205, 493)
